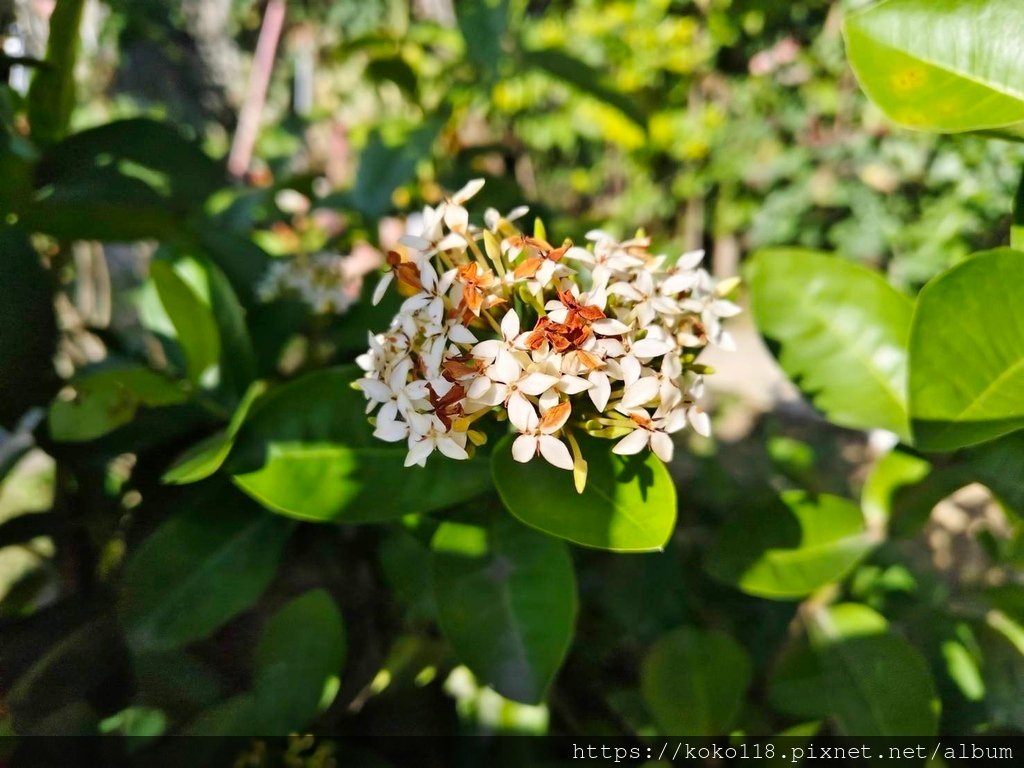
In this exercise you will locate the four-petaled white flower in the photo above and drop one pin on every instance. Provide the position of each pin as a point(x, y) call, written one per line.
point(536, 434)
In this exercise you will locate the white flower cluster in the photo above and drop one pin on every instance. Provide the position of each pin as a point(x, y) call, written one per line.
point(322, 281)
point(560, 341)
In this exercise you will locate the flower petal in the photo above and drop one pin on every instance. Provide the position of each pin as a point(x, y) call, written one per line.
point(662, 446)
point(632, 443)
point(524, 448)
point(640, 392)
point(554, 450)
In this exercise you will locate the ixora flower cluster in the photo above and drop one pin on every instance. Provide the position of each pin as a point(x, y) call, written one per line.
point(557, 340)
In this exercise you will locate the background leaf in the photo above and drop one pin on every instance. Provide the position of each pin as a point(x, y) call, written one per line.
point(694, 681)
point(29, 335)
point(302, 648)
point(792, 548)
point(109, 398)
point(941, 65)
point(842, 332)
point(967, 353)
point(878, 685)
point(52, 95)
point(193, 320)
point(200, 568)
point(629, 504)
point(506, 601)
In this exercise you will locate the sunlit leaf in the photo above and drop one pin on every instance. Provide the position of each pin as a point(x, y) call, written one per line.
point(792, 548)
point(842, 334)
point(629, 504)
point(941, 65)
point(193, 320)
point(307, 451)
point(967, 353)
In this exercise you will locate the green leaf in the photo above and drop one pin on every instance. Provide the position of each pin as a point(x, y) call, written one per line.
point(997, 464)
point(484, 25)
point(307, 451)
point(506, 601)
point(587, 79)
point(797, 685)
point(941, 65)
point(123, 181)
point(106, 399)
point(902, 490)
point(29, 335)
point(51, 98)
point(629, 504)
point(967, 353)
point(298, 658)
point(878, 684)
point(384, 167)
point(237, 357)
point(200, 568)
point(193, 320)
point(793, 548)
point(208, 455)
point(694, 681)
point(842, 331)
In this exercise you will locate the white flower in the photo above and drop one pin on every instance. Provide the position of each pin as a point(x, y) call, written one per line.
point(451, 444)
point(431, 298)
point(537, 435)
point(651, 432)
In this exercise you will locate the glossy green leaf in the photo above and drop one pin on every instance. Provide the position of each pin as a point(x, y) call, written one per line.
point(941, 65)
point(29, 330)
point(193, 320)
point(200, 568)
point(101, 401)
point(506, 601)
point(628, 505)
point(878, 684)
point(694, 682)
point(298, 657)
point(208, 455)
point(52, 95)
point(307, 451)
point(793, 548)
point(967, 353)
point(842, 334)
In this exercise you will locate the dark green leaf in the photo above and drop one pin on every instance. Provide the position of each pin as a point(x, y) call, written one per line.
point(967, 353)
point(200, 568)
point(506, 600)
point(29, 331)
point(694, 682)
point(793, 548)
point(237, 358)
point(384, 167)
point(299, 655)
point(878, 684)
point(307, 451)
point(842, 331)
point(484, 25)
point(629, 504)
point(106, 399)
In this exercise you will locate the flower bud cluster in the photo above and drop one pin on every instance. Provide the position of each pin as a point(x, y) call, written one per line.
point(557, 340)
